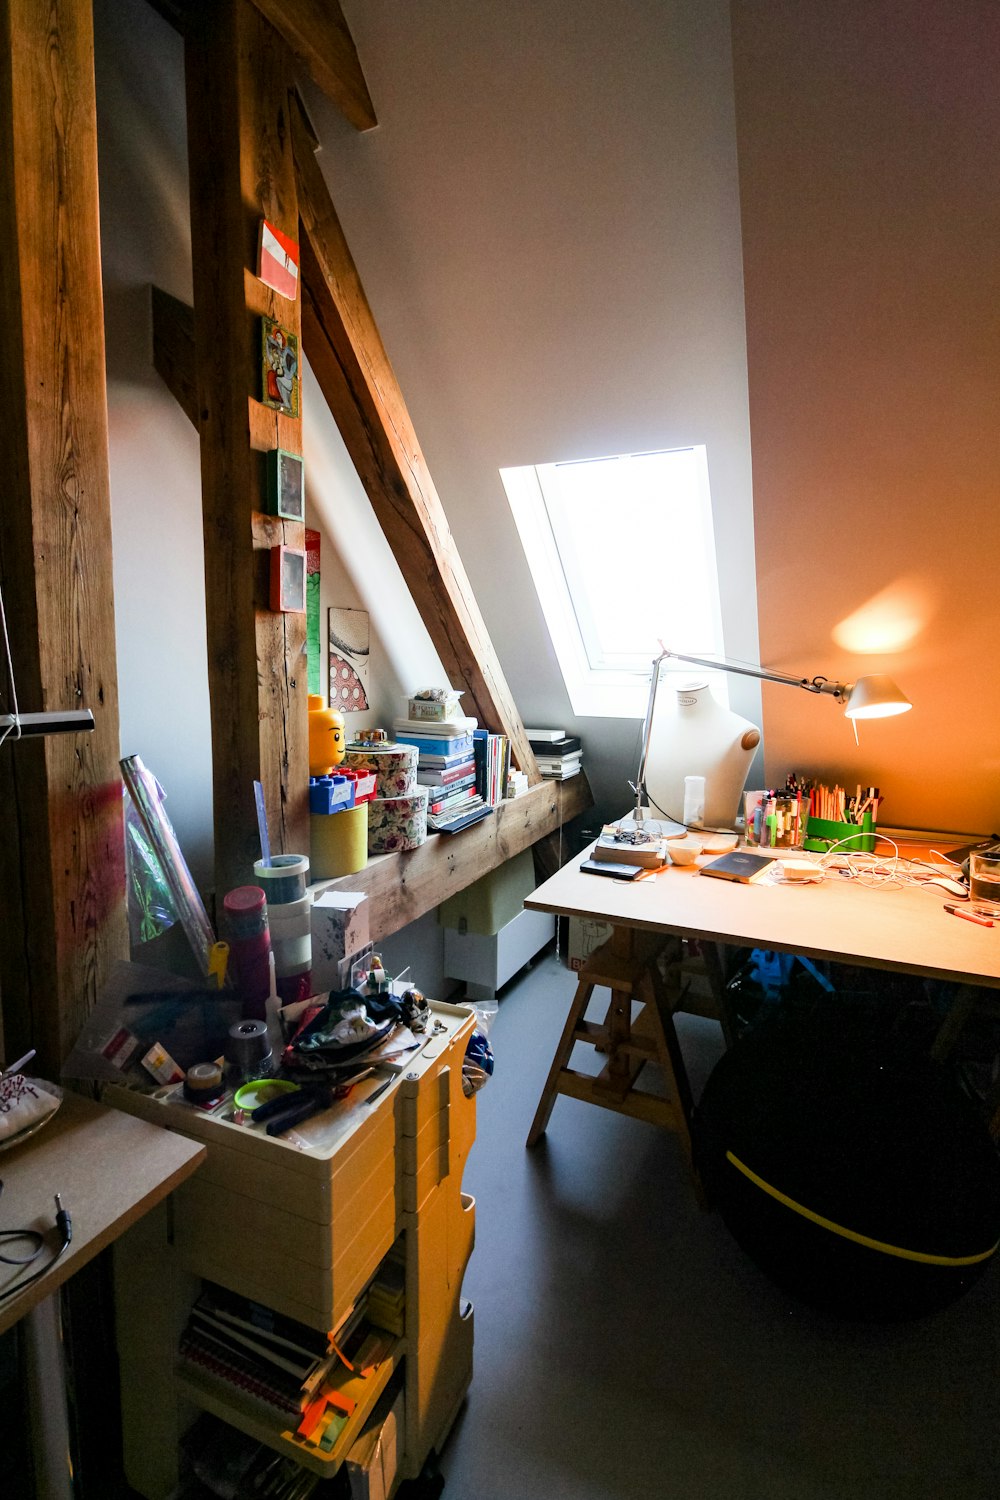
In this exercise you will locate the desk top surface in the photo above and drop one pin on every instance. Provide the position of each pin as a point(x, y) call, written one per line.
point(108, 1169)
point(884, 926)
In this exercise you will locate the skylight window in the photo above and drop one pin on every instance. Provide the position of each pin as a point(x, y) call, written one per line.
point(622, 553)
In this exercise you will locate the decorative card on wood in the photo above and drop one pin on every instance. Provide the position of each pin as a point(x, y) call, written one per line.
point(285, 485)
point(278, 261)
point(348, 633)
point(279, 367)
point(313, 653)
point(288, 580)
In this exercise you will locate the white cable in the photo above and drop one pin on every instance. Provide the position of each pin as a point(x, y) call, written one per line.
point(16, 725)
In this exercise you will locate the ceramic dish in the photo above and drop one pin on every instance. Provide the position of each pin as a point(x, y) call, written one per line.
point(36, 1125)
point(684, 851)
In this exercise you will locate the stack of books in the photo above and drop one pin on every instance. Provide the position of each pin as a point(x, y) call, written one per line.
point(238, 1346)
point(612, 848)
point(559, 755)
point(492, 753)
point(276, 1367)
point(446, 763)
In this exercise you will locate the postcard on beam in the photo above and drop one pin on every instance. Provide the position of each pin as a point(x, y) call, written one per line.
point(280, 368)
point(278, 261)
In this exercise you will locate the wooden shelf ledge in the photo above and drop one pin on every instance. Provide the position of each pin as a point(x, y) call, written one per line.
point(402, 887)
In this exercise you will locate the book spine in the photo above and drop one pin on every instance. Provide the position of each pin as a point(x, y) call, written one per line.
point(229, 1375)
point(442, 748)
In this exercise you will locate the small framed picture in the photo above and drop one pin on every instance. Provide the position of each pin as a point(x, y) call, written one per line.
point(279, 368)
point(278, 260)
point(285, 485)
point(288, 580)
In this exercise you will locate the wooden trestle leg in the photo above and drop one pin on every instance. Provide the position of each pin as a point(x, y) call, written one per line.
point(636, 967)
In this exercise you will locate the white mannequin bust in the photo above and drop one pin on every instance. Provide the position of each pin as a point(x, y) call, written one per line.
point(693, 735)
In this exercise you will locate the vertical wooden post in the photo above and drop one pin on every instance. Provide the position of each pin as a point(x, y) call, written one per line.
point(239, 73)
point(61, 851)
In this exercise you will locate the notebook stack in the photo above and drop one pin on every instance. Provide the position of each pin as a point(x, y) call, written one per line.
point(559, 755)
point(277, 1368)
point(446, 765)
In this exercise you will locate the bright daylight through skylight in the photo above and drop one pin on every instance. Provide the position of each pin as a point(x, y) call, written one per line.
point(622, 554)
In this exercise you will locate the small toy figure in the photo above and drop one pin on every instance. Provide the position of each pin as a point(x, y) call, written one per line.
point(327, 745)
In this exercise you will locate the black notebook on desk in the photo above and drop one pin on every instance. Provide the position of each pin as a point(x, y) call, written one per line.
point(741, 865)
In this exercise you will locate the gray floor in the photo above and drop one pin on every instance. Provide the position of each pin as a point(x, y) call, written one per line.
point(625, 1346)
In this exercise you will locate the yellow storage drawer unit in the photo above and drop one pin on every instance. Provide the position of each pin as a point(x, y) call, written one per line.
point(301, 1223)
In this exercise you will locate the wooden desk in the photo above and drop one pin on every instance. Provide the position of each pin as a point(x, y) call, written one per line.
point(108, 1170)
point(901, 929)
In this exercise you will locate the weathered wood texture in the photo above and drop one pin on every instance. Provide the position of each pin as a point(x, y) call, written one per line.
point(402, 887)
point(62, 853)
point(350, 363)
point(238, 76)
point(319, 36)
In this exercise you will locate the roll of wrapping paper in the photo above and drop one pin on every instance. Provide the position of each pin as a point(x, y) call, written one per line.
point(396, 823)
point(147, 799)
point(339, 842)
point(395, 767)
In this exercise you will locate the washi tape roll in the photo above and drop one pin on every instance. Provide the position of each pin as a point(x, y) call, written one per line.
point(339, 843)
point(396, 823)
point(284, 879)
point(203, 1083)
point(395, 767)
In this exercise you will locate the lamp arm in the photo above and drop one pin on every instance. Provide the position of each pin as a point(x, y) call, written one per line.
point(810, 684)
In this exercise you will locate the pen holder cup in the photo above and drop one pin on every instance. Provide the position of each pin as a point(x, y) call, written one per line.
point(773, 821)
point(851, 838)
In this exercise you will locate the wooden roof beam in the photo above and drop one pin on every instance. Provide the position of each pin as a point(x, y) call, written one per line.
point(320, 38)
point(345, 351)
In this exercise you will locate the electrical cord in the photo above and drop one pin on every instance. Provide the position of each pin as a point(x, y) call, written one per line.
point(65, 1226)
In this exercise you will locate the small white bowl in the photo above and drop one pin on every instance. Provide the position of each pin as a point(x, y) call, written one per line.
point(683, 851)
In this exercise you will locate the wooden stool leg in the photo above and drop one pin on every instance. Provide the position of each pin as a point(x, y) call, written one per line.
point(576, 1012)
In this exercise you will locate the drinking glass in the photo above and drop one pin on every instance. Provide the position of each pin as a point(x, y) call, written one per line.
point(984, 882)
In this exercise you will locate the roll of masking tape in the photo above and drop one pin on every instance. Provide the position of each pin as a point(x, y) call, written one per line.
point(284, 879)
point(203, 1083)
point(339, 842)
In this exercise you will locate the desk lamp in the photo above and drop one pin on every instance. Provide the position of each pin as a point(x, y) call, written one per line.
point(874, 697)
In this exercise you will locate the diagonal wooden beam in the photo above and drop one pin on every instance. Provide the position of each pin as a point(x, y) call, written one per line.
point(346, 355)
point(317, 33)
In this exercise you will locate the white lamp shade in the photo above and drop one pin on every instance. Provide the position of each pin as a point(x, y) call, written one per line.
point(875, 698)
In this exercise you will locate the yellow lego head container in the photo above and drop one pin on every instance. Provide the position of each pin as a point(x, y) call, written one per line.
point(327, 744)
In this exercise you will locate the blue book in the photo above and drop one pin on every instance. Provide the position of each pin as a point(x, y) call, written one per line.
point(439, 749)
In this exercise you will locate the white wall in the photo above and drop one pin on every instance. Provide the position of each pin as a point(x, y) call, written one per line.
point(546, 223)
point(869, 136)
